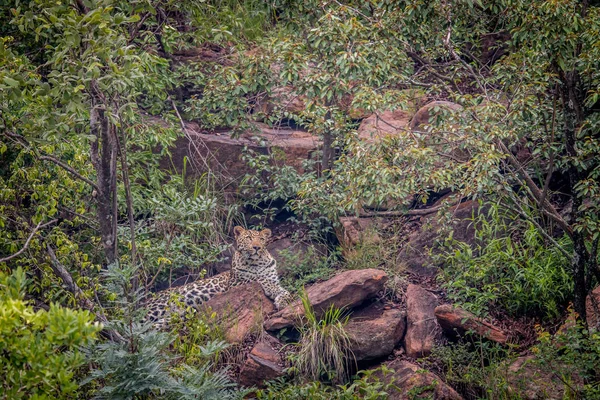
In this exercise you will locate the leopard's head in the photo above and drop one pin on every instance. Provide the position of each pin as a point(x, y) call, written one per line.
point(249, 242)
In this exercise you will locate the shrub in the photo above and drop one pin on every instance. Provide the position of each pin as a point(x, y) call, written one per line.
point(366, 387)
point(511, 267)
point(324, 347)
point(301, 268)
point(572, 353)
point(39, 350)
point(477, 370)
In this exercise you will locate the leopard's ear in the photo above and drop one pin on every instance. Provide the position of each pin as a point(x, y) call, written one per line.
point(237, 231)
point(266, 233)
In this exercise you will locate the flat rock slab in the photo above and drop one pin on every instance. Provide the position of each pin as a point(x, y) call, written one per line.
point(346, 290)
point(422, 330)
point(262, 365)
point(453, 318)
point(375, 331)
point(240, 311)
point(412, 382)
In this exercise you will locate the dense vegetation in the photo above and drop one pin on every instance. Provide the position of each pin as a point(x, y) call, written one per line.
point(94, 216)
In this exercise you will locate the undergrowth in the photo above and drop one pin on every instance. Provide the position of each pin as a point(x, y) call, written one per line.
point(510, 266)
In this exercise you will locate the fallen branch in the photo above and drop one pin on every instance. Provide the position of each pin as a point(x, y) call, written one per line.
point(419, 212)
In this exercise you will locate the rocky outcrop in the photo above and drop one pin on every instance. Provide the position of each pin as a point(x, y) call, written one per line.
point(240, 311)
point(222, 153)
point(422, 329)
point(427, 114)
point(263, 364)
point(592, 309)
point(410, 381)
point(385, 123)
point(453, 319)
point(375, 331)
point(346, 290)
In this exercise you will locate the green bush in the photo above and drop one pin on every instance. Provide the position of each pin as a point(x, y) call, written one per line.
point(39, 350)
point(366, 387)
point(571, 354)
point(301, 268)
point(510, 267)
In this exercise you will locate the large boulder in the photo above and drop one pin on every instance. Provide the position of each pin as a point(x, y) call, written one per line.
point(422, 329)
point(374, 331)
point(263, 364)
point(346, 290)
point(240, 311)
point(385, 123)
point(592, 309)
point(409, 381)
point(221, 152)
point(453, 319)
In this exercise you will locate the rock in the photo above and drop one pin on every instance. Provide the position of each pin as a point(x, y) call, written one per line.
point(240, 311)
point(422, 329)
point(426, 113)
point(453, 318)
point(346, 290)
point(281, 99)
point(354, 231)
point(592, 309)
point(222, 153)
point(262, 365)
point(530, 382)
point(415, 254)
point(409, 381)
point(382, 124)
point(375, 331)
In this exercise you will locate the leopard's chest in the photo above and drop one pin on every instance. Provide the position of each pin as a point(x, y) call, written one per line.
point(252, 268)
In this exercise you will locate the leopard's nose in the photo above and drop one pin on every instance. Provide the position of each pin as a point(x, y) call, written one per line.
point(257, 248)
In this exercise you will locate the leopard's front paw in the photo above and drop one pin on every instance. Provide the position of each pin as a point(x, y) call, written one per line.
point(282, 300)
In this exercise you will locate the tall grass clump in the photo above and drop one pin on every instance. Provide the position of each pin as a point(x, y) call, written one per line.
point(324, 345)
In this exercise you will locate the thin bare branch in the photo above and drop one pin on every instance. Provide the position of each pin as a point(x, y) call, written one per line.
point(26, 245)
point(70, 170)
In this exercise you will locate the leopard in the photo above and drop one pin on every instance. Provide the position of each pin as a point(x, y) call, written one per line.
point(251, 262)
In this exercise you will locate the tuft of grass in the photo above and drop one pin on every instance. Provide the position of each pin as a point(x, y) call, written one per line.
point(324, 345)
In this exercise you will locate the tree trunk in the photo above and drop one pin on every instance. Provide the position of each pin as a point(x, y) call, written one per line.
point(103, 153)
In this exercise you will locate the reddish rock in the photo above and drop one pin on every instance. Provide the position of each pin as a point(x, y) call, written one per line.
point(381, 124)
point(453, 318)
point(530, 382)
point(281, 99)
point(354, 231)
point(426, 114)
point(422, 329)
point(409, 381)
point(346, 290)
point(592, 309)
point(240, 311)
point(375, 331)
point(262, 365)
point(222, 153)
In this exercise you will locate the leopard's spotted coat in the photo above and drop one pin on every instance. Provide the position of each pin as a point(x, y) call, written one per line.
point(251, 262)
